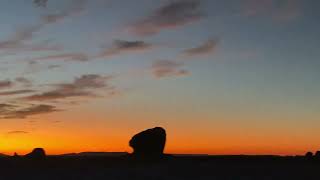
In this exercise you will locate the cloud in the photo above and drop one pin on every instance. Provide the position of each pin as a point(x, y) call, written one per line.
point(6, 107)
point(76, 7)
point(5, 84)
point(53, 66)
point(34, 65)
point(19, 37)
point(28, 111)
point(172, 15)
point(167, 68)
point(203, 49)
point(65, 57)
point(40, 3)
point(16, 132)
point(121, 46)
point(24, 81)
point(20, 41)
point(8, 83)
point(285, 10)
point(84, 86)
point(17, 92)
point(46, 45)
point(9, 111)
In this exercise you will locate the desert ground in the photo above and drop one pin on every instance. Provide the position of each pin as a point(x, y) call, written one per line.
point(170, 167)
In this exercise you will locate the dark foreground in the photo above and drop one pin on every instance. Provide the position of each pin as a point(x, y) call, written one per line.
point(184, 168)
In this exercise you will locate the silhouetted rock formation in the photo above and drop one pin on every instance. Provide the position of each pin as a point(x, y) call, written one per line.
point(149, 143)
point(317, 155)
point(37, 153)
point(309, 155)
point(15, 156)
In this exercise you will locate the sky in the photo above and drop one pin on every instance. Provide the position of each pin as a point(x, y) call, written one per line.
point(222, 77)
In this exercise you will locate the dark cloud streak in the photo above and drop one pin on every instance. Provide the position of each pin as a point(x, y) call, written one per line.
point(66, 57)
point(40, 3)
point(16, 132)
point(83, 86)
point(172, 15)
point(17, 92)
point(76, 7)
point(6, 84)
point(167, 68)
point(18, 42)
point(121, 46)
point(24, 81)
point(30, 111)
point(9, 111)
point(205, 48)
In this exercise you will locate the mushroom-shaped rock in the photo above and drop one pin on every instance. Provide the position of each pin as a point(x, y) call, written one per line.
point(149, 143)
point(37, 153)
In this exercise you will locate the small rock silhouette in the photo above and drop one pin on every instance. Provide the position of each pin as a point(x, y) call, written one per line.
point(37, 153)
point(309, 155)
point(149, 143)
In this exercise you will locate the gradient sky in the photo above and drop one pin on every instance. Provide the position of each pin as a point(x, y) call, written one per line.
point(223, 77)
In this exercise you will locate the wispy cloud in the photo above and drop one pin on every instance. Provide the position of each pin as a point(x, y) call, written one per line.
point(43, 46)
point(32, 110)
point(16, 132)
point(65, 57)
point(40, 3)
point(53, 66)
point(285, 10)
point(121, 46)
point(24, 81)
point(20, 82)
point(84, 86)
point(18, 39)
point(16, 92)
point(76, 7)
point(37, 65)
point(167, 68)
point(5, 84)
point(4, 107)
point(21, 39)
point(203, 49)
point(172, 15)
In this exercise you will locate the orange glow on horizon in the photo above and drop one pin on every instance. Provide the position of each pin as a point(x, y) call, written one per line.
point(67, 136)
point(69, 144)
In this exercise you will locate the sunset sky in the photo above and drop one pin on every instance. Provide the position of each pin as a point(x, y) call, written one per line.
point(222, 77)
